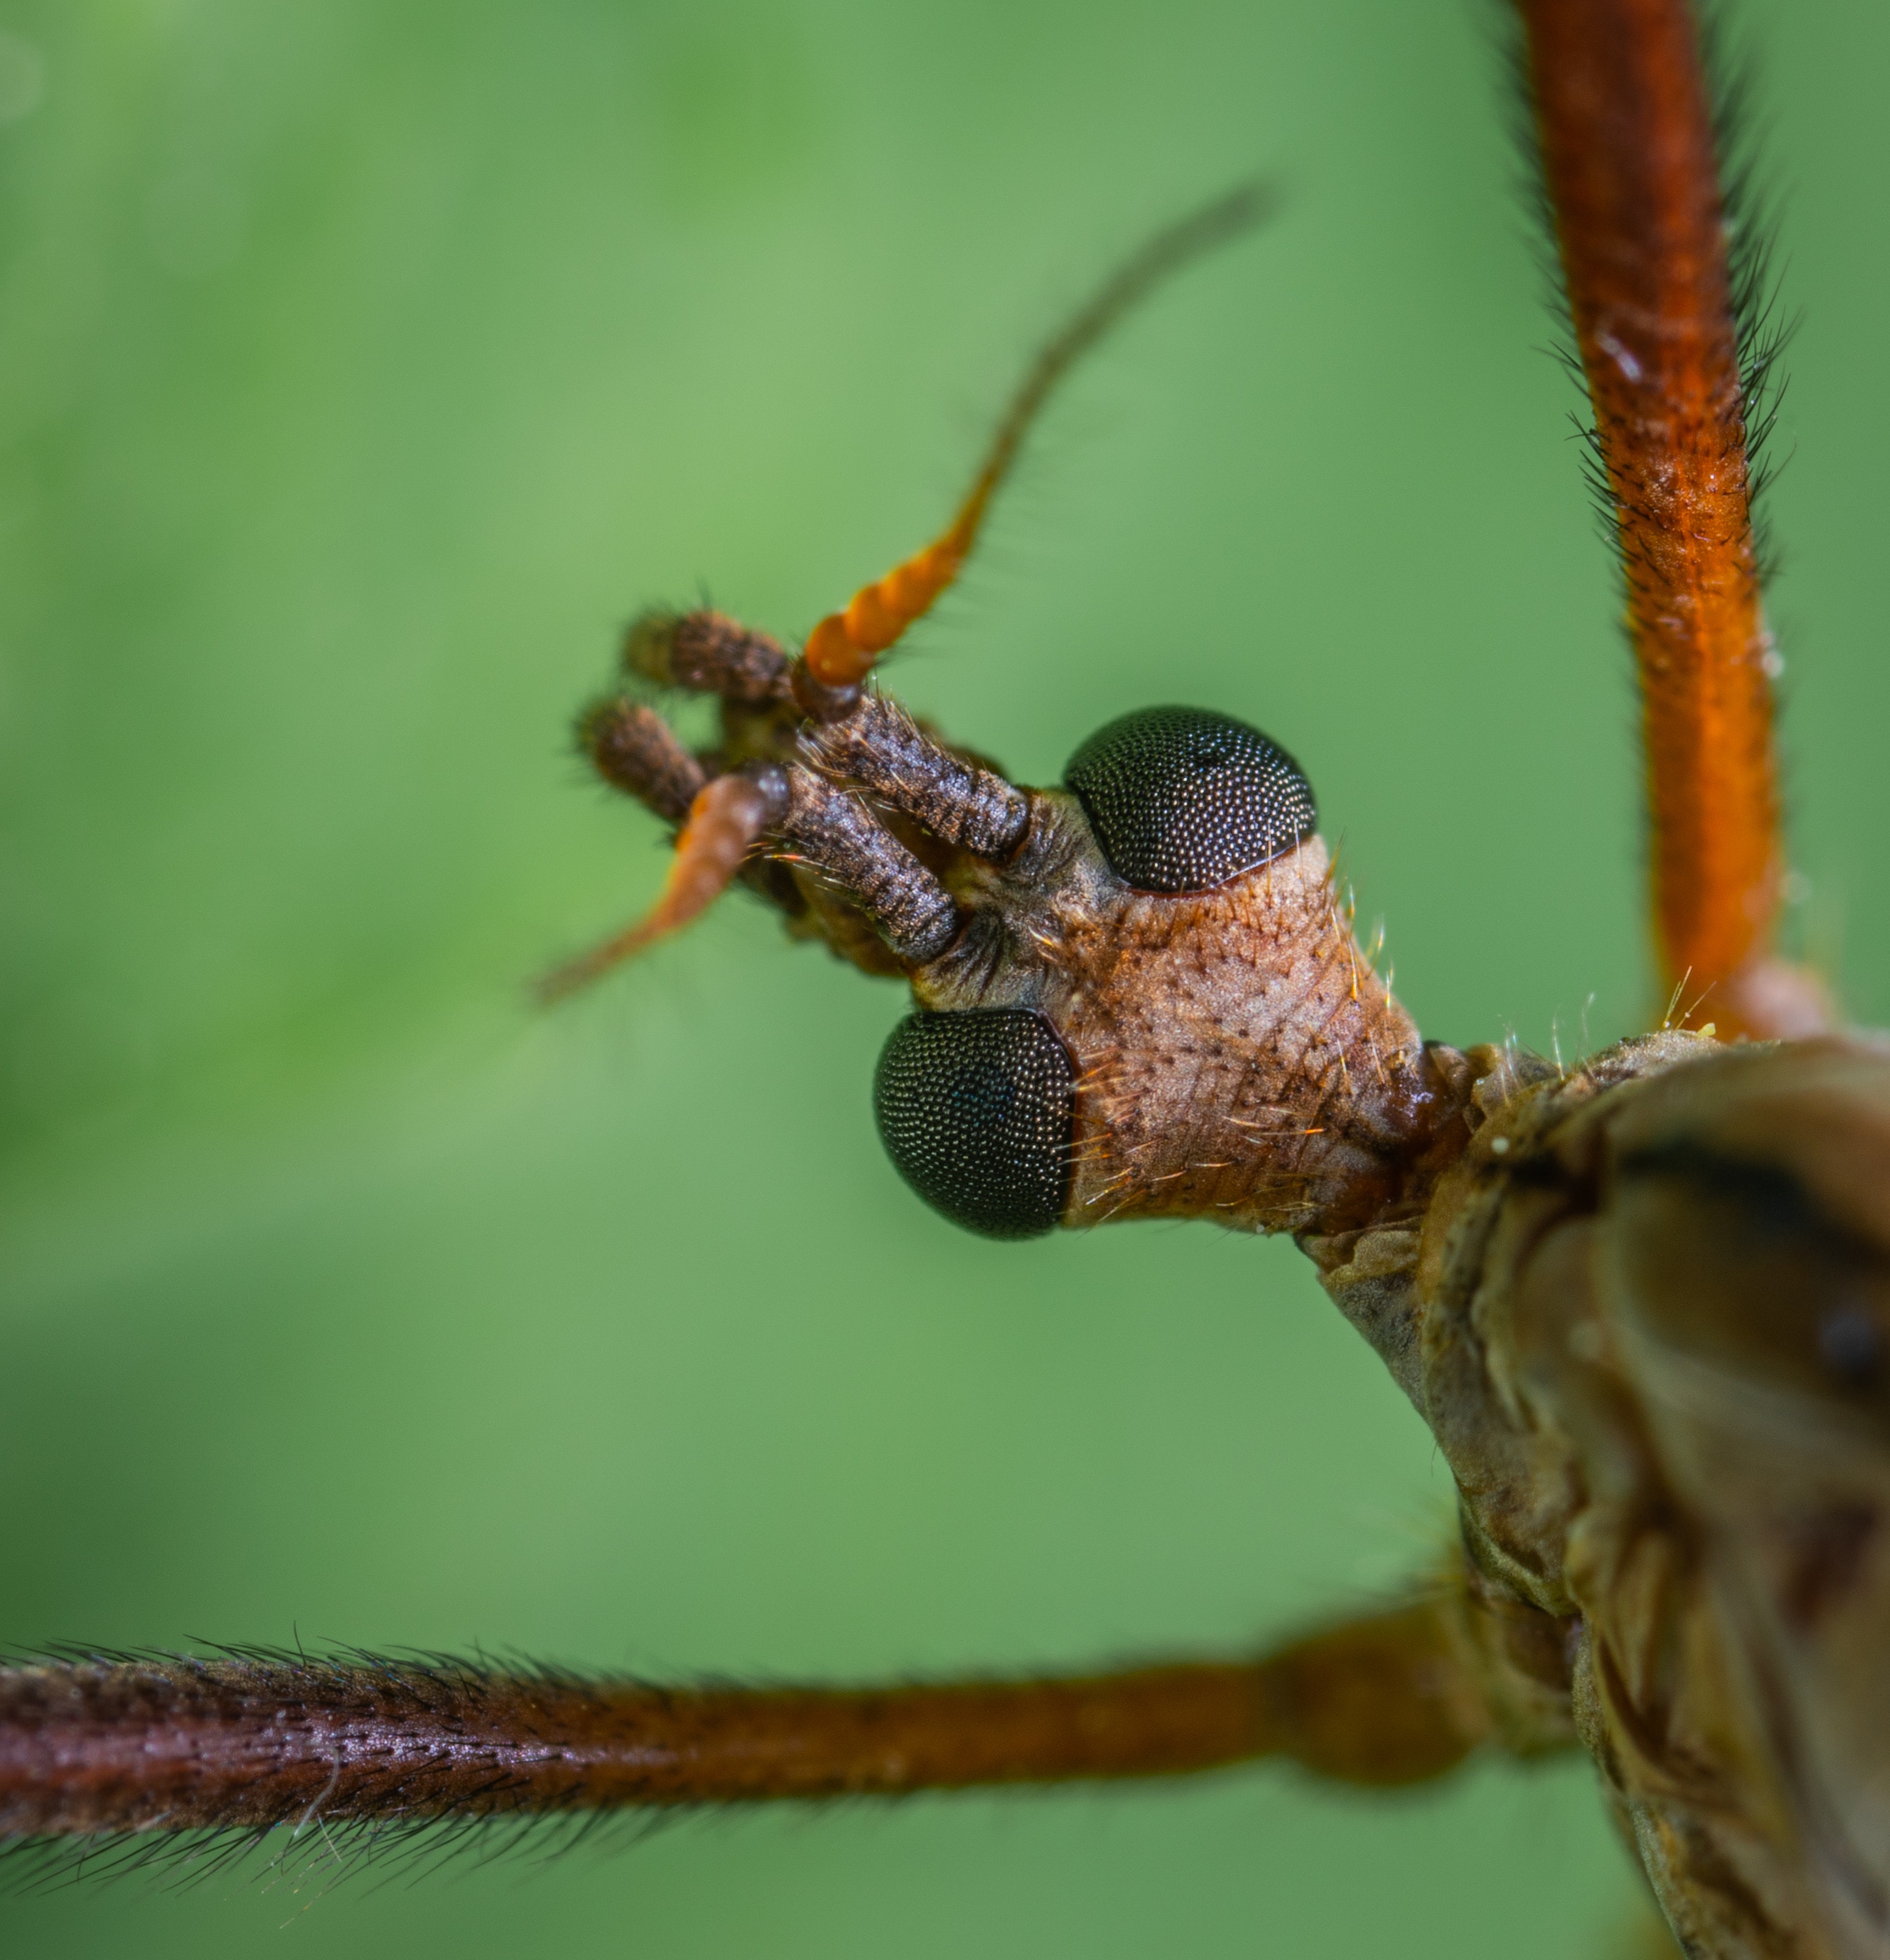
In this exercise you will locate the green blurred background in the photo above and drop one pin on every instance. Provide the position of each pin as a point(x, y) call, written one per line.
point(363, 364)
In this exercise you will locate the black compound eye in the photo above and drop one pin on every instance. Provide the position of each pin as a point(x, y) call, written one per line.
point(1182, 799)
point(975, 1111)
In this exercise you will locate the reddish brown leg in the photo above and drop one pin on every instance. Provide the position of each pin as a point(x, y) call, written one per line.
point(1626, 132)
point(90, 1748)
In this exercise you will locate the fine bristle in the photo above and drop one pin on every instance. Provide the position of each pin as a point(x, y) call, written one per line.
point(113, 1761)
point(297, 1845)
point(1751, 203)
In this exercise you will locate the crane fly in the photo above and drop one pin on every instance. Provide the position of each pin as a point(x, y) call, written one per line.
point(1642, 1301)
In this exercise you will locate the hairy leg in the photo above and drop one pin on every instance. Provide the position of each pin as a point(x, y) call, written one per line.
point(110, 1745)
point(1666, 293)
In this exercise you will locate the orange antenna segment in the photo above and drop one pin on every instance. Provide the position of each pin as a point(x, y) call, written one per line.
point(725, 822)
point(842, 648)
point(1628, 154)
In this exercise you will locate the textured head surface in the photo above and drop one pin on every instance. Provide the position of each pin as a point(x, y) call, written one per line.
point(1233, 1056)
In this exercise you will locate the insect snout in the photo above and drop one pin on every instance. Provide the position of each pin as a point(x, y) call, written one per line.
point(1153, 1005)
point(976, 1105)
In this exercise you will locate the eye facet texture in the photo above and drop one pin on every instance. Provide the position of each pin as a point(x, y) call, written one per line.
point(975, 1111)
point(1183, 799)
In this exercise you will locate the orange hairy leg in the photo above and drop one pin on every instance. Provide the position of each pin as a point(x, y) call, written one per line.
point(106, 1747)
point(842, 648)
point(1626, 131)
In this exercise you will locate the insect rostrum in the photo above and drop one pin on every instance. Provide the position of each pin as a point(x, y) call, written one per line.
point(1656, 1564)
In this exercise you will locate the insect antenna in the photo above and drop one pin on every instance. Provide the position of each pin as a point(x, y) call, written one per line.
point(841, 649)
point(733, 815)
point(726, 821)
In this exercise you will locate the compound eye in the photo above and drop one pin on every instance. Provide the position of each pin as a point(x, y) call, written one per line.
point(1182, 799)
point(975, 1110)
